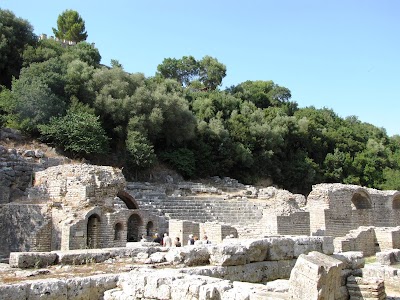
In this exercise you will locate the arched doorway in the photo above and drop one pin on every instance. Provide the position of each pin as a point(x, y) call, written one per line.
point(93, 232)
point(149, 228)
point(396, 202)
point(361, 200)
point(134, 222)
point(118, 232)
point(129, 201)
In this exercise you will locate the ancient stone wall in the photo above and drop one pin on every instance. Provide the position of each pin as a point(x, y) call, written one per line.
point(362, 239)
point(24, 228)
point(387, 237)
point(81, 185)
point(335, 209)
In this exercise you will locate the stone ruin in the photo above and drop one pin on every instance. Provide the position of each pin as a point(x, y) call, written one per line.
point(68, 213)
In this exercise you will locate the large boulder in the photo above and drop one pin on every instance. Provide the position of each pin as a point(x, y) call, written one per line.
point(188, 255)
point(316, 276)
point(32, 259)
point(228, 254)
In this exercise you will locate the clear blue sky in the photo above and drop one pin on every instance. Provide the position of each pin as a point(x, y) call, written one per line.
point(339, 54)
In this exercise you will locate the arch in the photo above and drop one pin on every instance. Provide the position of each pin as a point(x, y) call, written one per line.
point(118, 232)
point(361, 200)
point(93, 232)
point(396, 201)
point(149, 228)
point(134, 222)
point(128, 200)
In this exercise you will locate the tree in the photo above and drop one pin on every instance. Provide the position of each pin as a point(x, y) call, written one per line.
point(15, 35)
point(79, 131)
point(204, 74)
point(211, 72)
point(70, 27)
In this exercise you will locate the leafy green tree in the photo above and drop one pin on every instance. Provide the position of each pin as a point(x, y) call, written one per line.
point(44, 50)
point(70, 26)
point(77, 77)
point(140, 152)
point(211, 72)
point(262, 93)
point(207, 73)
point(35, 104)
point(84, 52)
point(182, 160)
point(79, 132)
point(15, 35)
point(183, 70)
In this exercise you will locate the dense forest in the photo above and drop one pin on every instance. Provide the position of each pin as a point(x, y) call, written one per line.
point(63, 96)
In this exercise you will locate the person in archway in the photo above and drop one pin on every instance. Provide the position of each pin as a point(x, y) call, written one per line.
point(167, 242)
point(157, 239)
point(191, 240)
point(177, 242)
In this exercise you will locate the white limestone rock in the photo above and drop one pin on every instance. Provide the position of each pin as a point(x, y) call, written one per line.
point(188, 255)
point(351, 259)
point(280, 248)
point(278, 286)
point(51, 289)
point(315, 276)
point(79, 257)
point(256, 250)
point(32, 259)
point(305, 244)
point(227, 254)
point(158, 257)
point(14, 291)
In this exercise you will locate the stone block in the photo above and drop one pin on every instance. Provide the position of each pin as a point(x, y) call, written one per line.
point(14, 291)
point(351, 260)
point(51, 289)
point(315, 276)
point(32, 259)
point(388, 257)
point(280, 248)
point(80, 257)
point(306, 244)
point(327, 244)
point(256, 250)
point(188, 255)
point(228, 254)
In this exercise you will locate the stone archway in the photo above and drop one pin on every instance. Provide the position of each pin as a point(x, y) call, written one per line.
point(129, 201)
point(396, 201)
point(361, 200)
point(134, 222)
point(118, 232)
point(93, 232)
point(150, 229)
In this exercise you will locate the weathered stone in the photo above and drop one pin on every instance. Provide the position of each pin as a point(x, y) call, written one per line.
point(80, 257)
point(32, 259)
point(306, 244)
point(351, 260)
point(227, 254)
point(188, 255)
point(280, 248)
point(315, 276)
point(388, 257)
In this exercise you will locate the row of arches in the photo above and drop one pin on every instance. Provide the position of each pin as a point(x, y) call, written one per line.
point(361, 200)
point(133, 229)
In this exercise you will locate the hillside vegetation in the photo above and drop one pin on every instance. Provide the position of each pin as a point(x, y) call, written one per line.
point(252, 131)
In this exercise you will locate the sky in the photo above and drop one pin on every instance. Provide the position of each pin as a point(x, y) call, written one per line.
point(340, 54)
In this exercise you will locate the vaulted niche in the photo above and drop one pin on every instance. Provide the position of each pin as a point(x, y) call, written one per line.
point(361, 200)
point(134, 222)
point(128, 200)
point(396, 202)
point(93, 232)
